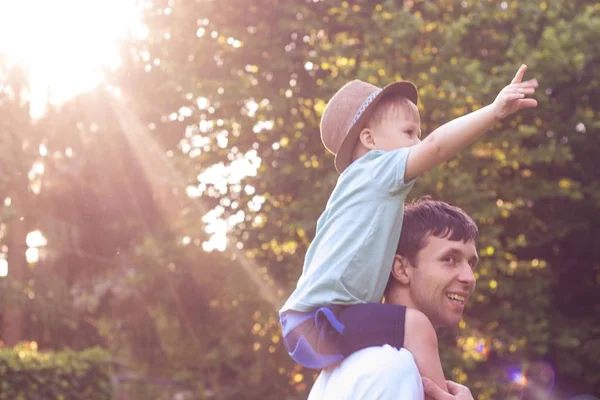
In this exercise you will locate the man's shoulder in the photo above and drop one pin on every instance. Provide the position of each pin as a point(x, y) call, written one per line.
point(376, 372)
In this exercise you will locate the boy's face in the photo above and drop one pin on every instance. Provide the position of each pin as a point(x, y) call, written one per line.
point(442, 280)
point(400, 128)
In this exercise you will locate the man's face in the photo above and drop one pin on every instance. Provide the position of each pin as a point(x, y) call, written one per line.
point(442, 280)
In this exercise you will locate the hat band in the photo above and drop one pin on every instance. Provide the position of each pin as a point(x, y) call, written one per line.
point(364, 106)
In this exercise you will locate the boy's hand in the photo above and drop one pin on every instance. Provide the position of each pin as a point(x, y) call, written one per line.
point(512, 98)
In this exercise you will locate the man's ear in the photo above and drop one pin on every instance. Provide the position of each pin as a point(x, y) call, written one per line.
point(400, 270)
point(366, 138)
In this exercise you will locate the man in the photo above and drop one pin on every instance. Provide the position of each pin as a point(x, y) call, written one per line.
point(433, 273)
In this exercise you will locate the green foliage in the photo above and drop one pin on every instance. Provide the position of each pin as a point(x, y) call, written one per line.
point(528, 184)
point(28, 374)
point(221, 82)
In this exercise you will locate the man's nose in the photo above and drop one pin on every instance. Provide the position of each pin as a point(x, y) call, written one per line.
point(467, 276)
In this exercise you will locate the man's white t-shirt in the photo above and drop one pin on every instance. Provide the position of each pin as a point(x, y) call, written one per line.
point(374, 373)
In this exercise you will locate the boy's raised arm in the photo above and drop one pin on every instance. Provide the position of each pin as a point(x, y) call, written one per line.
point(450, 138)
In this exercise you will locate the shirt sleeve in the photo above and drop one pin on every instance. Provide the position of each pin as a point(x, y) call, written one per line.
point(382, 373)
point(388, 169)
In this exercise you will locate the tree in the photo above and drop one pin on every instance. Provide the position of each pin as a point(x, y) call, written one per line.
point(256, 75)
point(17, 150)
point(218, 124)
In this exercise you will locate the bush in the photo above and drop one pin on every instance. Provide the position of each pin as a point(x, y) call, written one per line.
point(27, 374)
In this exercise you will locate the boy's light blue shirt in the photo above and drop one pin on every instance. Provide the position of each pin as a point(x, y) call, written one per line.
point(350, 259)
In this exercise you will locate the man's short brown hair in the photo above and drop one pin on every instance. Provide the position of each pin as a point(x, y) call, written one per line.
point(427, 217)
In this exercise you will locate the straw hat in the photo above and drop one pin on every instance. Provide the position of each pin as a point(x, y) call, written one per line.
point(347, 111)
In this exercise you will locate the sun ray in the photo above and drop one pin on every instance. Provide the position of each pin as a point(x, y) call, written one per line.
point(158, 169)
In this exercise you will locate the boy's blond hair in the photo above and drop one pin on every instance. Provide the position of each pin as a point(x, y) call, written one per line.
point(391, 106)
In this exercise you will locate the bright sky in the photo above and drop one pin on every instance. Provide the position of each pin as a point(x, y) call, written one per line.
point(65, 43)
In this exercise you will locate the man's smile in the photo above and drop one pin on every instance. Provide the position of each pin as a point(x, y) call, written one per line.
point(458, 297)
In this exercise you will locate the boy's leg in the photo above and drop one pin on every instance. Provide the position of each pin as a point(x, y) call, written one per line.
point(371, 324)
point(310, 338)
point(329, 334)
point(421, 340)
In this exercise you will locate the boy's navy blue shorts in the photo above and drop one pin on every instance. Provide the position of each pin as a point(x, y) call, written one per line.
point(329, 334)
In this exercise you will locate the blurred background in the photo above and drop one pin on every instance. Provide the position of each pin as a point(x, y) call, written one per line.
point(161, 174)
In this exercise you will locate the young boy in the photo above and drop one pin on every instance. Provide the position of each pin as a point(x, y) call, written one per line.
point(375, 136)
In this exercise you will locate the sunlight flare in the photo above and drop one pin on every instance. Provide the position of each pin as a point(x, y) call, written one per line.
point(3, 268)
point(65, 44)
point(156, 165)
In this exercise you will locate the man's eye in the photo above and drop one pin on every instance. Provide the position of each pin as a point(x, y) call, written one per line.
point(450, 259)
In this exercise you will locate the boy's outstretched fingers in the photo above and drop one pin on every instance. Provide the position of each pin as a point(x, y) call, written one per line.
point(520, 73)
point(457, 392)
point(528, 103)
point(514, 96)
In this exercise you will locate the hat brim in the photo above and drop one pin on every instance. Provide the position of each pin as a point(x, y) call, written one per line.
point(343, 158)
